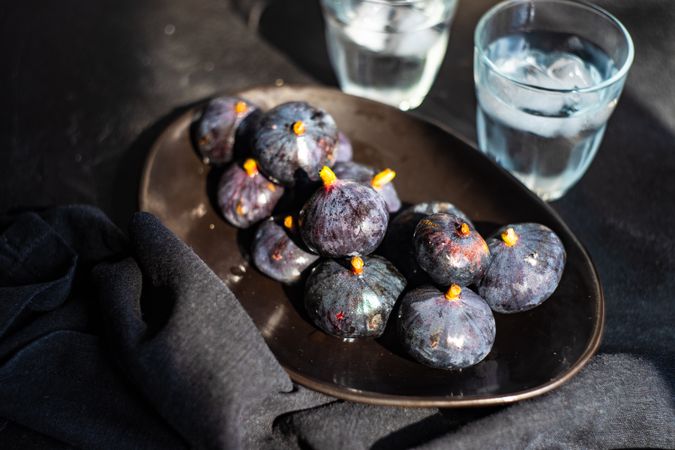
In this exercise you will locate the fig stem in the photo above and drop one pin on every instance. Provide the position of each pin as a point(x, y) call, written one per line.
point(509, 237)
point(464, 229)
point(299, 128)
point(382, 178)
point(288, 222)
point(240, 107)
point(453, 293)
point(327, 176)
point(251, 167)
point(357, 265)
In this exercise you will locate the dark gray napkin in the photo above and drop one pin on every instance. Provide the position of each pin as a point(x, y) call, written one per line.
point(176, 332)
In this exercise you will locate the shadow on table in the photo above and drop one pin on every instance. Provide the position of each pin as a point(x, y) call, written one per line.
point(440, 424)
point(129, 173)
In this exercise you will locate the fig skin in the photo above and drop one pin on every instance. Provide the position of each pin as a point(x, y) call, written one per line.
point(398, 247)
point(363, 174)
point(523, 276)
point(246, 199)
point(446, 254)
point(344, 219)
point(346, 305)
point(344, 151)
point(446, 334)
point(220, 124)
point(350, 170)
point(277, 253)
point(288, 153)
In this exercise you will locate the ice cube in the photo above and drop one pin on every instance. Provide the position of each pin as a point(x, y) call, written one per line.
point(393, 31)
point(367, 24)
point(416, 44)
point(568, 71)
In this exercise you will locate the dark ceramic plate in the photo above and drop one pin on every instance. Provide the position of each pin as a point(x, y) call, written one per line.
point(535, 351)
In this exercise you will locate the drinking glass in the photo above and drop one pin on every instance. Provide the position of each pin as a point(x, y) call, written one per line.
point(548, 76)
point(388, 50)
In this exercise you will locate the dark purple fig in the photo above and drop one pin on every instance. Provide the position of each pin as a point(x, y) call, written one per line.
point(454, 330)
point(380, 181)
point(353, 300)
point(526, 266)
point(223, 120)
point(277, 253)
point(344, 151)
point(450, 250)
point(245, 196)
point(293, 141)
point(397, 246)
point(343, 218)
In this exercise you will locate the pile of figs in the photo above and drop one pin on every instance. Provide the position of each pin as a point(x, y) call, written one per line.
point(336, 226)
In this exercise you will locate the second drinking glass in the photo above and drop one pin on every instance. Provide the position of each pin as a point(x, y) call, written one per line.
point(388, 50)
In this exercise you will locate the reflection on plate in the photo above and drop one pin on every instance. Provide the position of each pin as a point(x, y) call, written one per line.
point(534, 352)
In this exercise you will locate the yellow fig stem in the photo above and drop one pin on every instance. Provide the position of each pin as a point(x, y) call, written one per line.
point(509, 237)
point(299, 128)
point(382, 178)
point(464, 229)
point(251, 167)
point(288, 222)
point(453, 293)
point(240, 107)
point(327, 176)
point(357, 265)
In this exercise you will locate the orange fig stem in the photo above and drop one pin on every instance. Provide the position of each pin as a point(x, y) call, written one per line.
point(357, 265)
point(240, 107)
point(509, 237)
point(453, 293)
point(288, 222)
point(327, 176)
point(382, 178)
point(251, 167)
point(299, 128)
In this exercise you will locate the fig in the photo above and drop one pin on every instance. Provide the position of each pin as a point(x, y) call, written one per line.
point(277, 251)
point(343, 218)
point(527, 263)
point(397, 246)
point(223, 120)
point(354, 299)
point(245, 196)
point(293, 141)
point(450, 250)
point(454, 330)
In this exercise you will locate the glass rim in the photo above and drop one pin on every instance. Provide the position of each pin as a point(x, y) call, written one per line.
point(620, 74)
point(392, 2)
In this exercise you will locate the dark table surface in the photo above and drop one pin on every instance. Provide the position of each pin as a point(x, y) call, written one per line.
point(86, 86)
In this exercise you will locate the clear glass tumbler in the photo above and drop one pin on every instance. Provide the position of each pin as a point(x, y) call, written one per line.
point(388, 50)
point(548, 76)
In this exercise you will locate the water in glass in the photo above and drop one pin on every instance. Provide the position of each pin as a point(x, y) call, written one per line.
point(386, 51)
point(546, 127)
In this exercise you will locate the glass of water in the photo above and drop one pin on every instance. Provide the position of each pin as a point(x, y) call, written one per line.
point(388, 50)
point(548, 76)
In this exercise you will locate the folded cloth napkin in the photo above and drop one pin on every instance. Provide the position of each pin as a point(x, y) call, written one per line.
point(115, 342)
